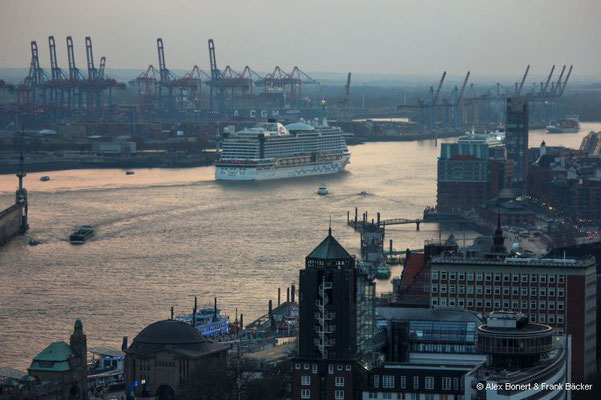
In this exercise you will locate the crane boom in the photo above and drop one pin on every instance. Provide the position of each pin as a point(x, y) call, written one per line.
point(523, 80)
point(435, 99)
point(460, 97)
point(73, 74)
point(53, 61)
point(162, 65)
point(558, 84)
point(101, 68)
point(213, 60)
point(90, 59)
point(565, 82)
point(544, 90)
point(347, 88)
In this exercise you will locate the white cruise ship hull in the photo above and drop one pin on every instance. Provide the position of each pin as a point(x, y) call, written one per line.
point(245, 173)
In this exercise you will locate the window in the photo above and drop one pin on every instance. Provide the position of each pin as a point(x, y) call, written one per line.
point(505, 277)
point(524, 305)
point(452, 302)
point(524, 278)
point(340, 381)
point(488, 277)
point(305, 393)
point(452, 289)
point(533, 278)
point(461, 276)
point(388, 381)
point(542, 292)
point(479, 276)
point(452, 276)
point(339, 395)
point(560, 305)
point(446, 383)
point(443, 276)
point(387, 396)
point(532, 317)
point(461, 289)
point(306, 366)
point(515, 291)
point(443, 301)
point(470, 289)
point(497, 304)
point(429, 382)
point(533, 305)
point(314, 370)
point(348, 367)
point(497, 277)
point(551, 305)
point(470, 276)
point(542, 305)
point(560, 292)
point(455, 383)
point(542, 278)
point(515, 278)
point(506, 291)
point(470, 303)
point(416, 382)
point(551, 318)
point(488, 289)
point(297, 366)
point(506, 304)
point(551, 278)
point(551, 292)
point(560, 279)
point(339, 367)
point(497, 290)
point(532, 291)
point(560, 319)
point(330, 369)
point(376, 381)
point(488, 304)
point(443, 288)
point(541, 318)
point(478, 289)
point(403, 382)
point(515, 304)
point(434, 301)
point(434, 288)
point(305, 380)
point(524, 291)
point(434, 275)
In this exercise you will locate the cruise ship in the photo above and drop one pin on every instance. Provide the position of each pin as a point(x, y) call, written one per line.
point(270, 150)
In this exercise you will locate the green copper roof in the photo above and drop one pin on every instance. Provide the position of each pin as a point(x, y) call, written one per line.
point(53, 358)
point(329, 249)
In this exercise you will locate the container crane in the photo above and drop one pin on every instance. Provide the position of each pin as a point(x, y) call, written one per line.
point(519, 88)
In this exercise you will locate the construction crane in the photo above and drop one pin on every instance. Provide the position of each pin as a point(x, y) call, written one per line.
point(215, 79)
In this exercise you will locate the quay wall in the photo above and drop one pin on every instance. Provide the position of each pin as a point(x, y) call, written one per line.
point(10, 223)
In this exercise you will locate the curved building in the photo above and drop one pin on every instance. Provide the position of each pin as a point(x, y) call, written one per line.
point(525, 360)
point(164, 356)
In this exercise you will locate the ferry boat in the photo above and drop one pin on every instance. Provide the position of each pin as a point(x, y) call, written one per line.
point(209, 321)
point(81, 235)
point(570, 124)
point(270, 150)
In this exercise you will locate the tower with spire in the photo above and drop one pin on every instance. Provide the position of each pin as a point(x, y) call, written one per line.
point(498, 240)
point(336, 321)
point(79, 346)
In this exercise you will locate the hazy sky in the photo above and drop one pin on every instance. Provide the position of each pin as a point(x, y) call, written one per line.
point(372, 36)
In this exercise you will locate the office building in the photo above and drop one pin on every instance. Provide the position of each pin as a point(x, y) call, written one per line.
point(516, 137)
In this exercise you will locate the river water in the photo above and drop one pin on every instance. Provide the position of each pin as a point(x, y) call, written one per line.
point(165, 235)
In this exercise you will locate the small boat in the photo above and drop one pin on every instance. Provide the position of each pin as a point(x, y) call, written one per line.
point(323, 190)
point(81, 235)
point(45, 178)
point(383, 272)
point(363, 193)
point(33, 242)
point(129, 172)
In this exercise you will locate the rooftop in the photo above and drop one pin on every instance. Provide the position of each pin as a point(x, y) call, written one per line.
point(514, 261)
point(330, 249)
point(428, 314)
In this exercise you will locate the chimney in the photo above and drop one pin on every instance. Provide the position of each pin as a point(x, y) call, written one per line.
point(241, 321)
point(124, 343)
point(292, 293)
point(194, 310)
point(171, 312)
point(279, 295)
point(287, 295)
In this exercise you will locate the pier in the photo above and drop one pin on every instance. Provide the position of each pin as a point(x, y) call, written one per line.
point(362, 225)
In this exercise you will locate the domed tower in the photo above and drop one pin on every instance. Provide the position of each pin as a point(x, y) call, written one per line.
point(79, 346)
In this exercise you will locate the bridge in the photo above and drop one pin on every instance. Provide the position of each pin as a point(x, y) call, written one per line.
point(401, 221)
point(379, 224)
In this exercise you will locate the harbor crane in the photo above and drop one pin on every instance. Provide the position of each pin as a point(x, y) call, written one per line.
point(518, 90)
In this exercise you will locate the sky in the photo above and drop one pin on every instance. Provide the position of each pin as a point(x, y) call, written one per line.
point(488, 37)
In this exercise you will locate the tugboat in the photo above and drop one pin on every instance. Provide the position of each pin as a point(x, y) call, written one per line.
point(383, 272)
point(363, 193)
point(81, 235)
point(45, 178)
point(323, 190)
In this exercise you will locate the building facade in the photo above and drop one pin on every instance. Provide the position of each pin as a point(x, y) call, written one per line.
point(557, 292)
point(516, 137)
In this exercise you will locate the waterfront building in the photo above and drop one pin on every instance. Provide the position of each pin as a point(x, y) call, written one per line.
point(60, 370)
point(471, 171)
point(525, 361)
point(337, 325)
point(557, 292)
point(516, 137)
point(164, 357)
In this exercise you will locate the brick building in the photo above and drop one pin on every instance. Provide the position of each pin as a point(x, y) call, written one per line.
point(558, 292)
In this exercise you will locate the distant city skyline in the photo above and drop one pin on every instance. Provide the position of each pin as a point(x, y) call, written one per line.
point(379, 37)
